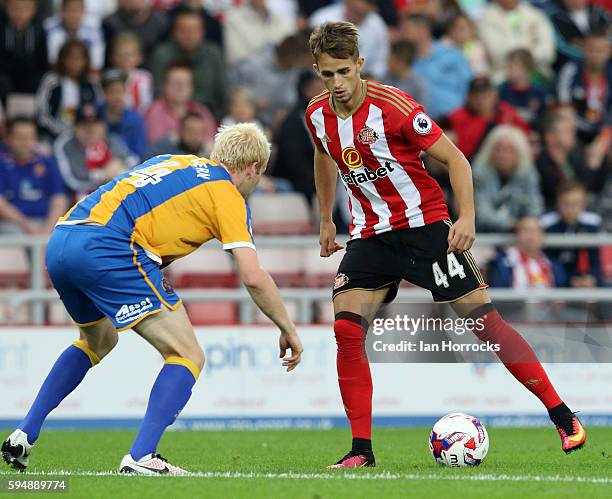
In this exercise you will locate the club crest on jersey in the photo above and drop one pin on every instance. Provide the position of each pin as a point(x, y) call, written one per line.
point(351, 157)
point(422, 124)
point(340, 280)
point(367, 135)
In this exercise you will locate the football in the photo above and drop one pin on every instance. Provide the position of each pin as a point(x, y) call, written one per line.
point(459, 439)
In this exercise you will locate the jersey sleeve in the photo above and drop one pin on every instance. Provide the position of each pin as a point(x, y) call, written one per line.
point(418, 128)
point(313, 133)
point(232, 216)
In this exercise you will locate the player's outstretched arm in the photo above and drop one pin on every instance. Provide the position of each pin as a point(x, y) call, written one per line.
point(265, 294)
point(462, 234)
point(326, 174)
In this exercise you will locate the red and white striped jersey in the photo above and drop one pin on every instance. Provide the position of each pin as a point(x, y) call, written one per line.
point(377, 149)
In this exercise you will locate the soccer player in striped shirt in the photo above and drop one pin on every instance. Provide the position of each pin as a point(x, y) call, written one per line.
point(373, 135)
point(104, 260)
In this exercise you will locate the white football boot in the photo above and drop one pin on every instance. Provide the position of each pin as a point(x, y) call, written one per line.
point(16, 450)
point(151, 464)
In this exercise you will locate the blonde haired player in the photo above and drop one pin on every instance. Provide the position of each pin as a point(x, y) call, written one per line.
point(105, 257)
point(373, 135)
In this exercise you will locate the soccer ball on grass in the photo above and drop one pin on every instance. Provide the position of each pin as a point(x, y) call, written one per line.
point(459, 440)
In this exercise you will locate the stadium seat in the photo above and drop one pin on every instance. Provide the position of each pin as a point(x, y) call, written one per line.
point(285, 265)
point(280, 213)
point(20, 105)
point(208, 313)
point(14, 268)
point(204, 268)
point(320, 272)
point(606, 262)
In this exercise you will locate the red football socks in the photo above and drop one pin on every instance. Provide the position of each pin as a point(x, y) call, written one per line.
point(354, 372)
point(516, 354)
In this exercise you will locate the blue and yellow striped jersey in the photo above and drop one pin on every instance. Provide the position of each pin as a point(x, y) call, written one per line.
point(170, 205)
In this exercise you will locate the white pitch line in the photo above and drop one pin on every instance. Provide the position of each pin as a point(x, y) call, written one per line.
point(339, 476)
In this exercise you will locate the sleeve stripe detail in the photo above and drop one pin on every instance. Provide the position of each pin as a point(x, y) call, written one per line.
point(239, 244)
point(318, 98)
point(403, 110)
point(392, 93)
point(399, 102)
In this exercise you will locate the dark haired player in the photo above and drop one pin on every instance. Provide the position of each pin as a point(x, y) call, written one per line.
point(373, 135)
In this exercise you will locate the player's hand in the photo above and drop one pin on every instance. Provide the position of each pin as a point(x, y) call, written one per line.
point(461, 235)
point(290, 340)
point(327, 239)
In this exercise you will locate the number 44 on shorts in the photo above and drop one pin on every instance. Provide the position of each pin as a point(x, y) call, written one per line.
point(454, 269)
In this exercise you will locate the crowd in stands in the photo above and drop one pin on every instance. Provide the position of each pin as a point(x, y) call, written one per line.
point(88, 89)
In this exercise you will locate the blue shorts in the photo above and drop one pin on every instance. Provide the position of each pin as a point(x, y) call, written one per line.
point(99, 272)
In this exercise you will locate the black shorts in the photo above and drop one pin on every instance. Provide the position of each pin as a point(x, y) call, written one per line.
point(418, 255)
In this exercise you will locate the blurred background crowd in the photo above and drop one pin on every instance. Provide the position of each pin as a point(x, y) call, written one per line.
point(90, 88)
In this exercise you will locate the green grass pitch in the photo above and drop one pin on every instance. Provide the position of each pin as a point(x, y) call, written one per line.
point(521, 463)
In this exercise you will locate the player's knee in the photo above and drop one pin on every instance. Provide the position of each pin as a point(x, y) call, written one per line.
point(197, 357)
point(194, 354)
point(350, 330)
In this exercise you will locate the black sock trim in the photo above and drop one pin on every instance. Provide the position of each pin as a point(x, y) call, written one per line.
point(353, 317)
point(559, 413)
point(362, 445)
point(480, 311)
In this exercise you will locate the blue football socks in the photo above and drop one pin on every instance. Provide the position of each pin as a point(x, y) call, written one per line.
point(65, 375)
point(169, 394)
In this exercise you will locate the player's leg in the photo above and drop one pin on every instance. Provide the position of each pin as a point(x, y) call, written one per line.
point(522, 362)
point(69, 370)
point(354, 378)
point(171, 333)
point(365, 279)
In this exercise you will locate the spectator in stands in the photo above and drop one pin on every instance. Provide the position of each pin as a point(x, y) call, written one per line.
point(461, 33)
point(121, 120)
point(242, 108)
point(23, 48)
point(603, 205)
point(88, 157)
point(525, 265)
point(164, 116)
point(507, 25)
point(272, 75)
point(572, 20)
point(506, 183)
point(401, 75)
point(137, 17)
point(126, 55)
point(32, 192)
point(562, 158)
point(445, 69)
point(214, 30)
point(72, 22)
point(295, 154)
point(373, 32)
point(188, 46)
point(582, 266)
point(66, 89)
point(190, 139)
point(517, 89)
point(482, 111)
point(586, 85)
point(99, 10)
point(252, 27)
